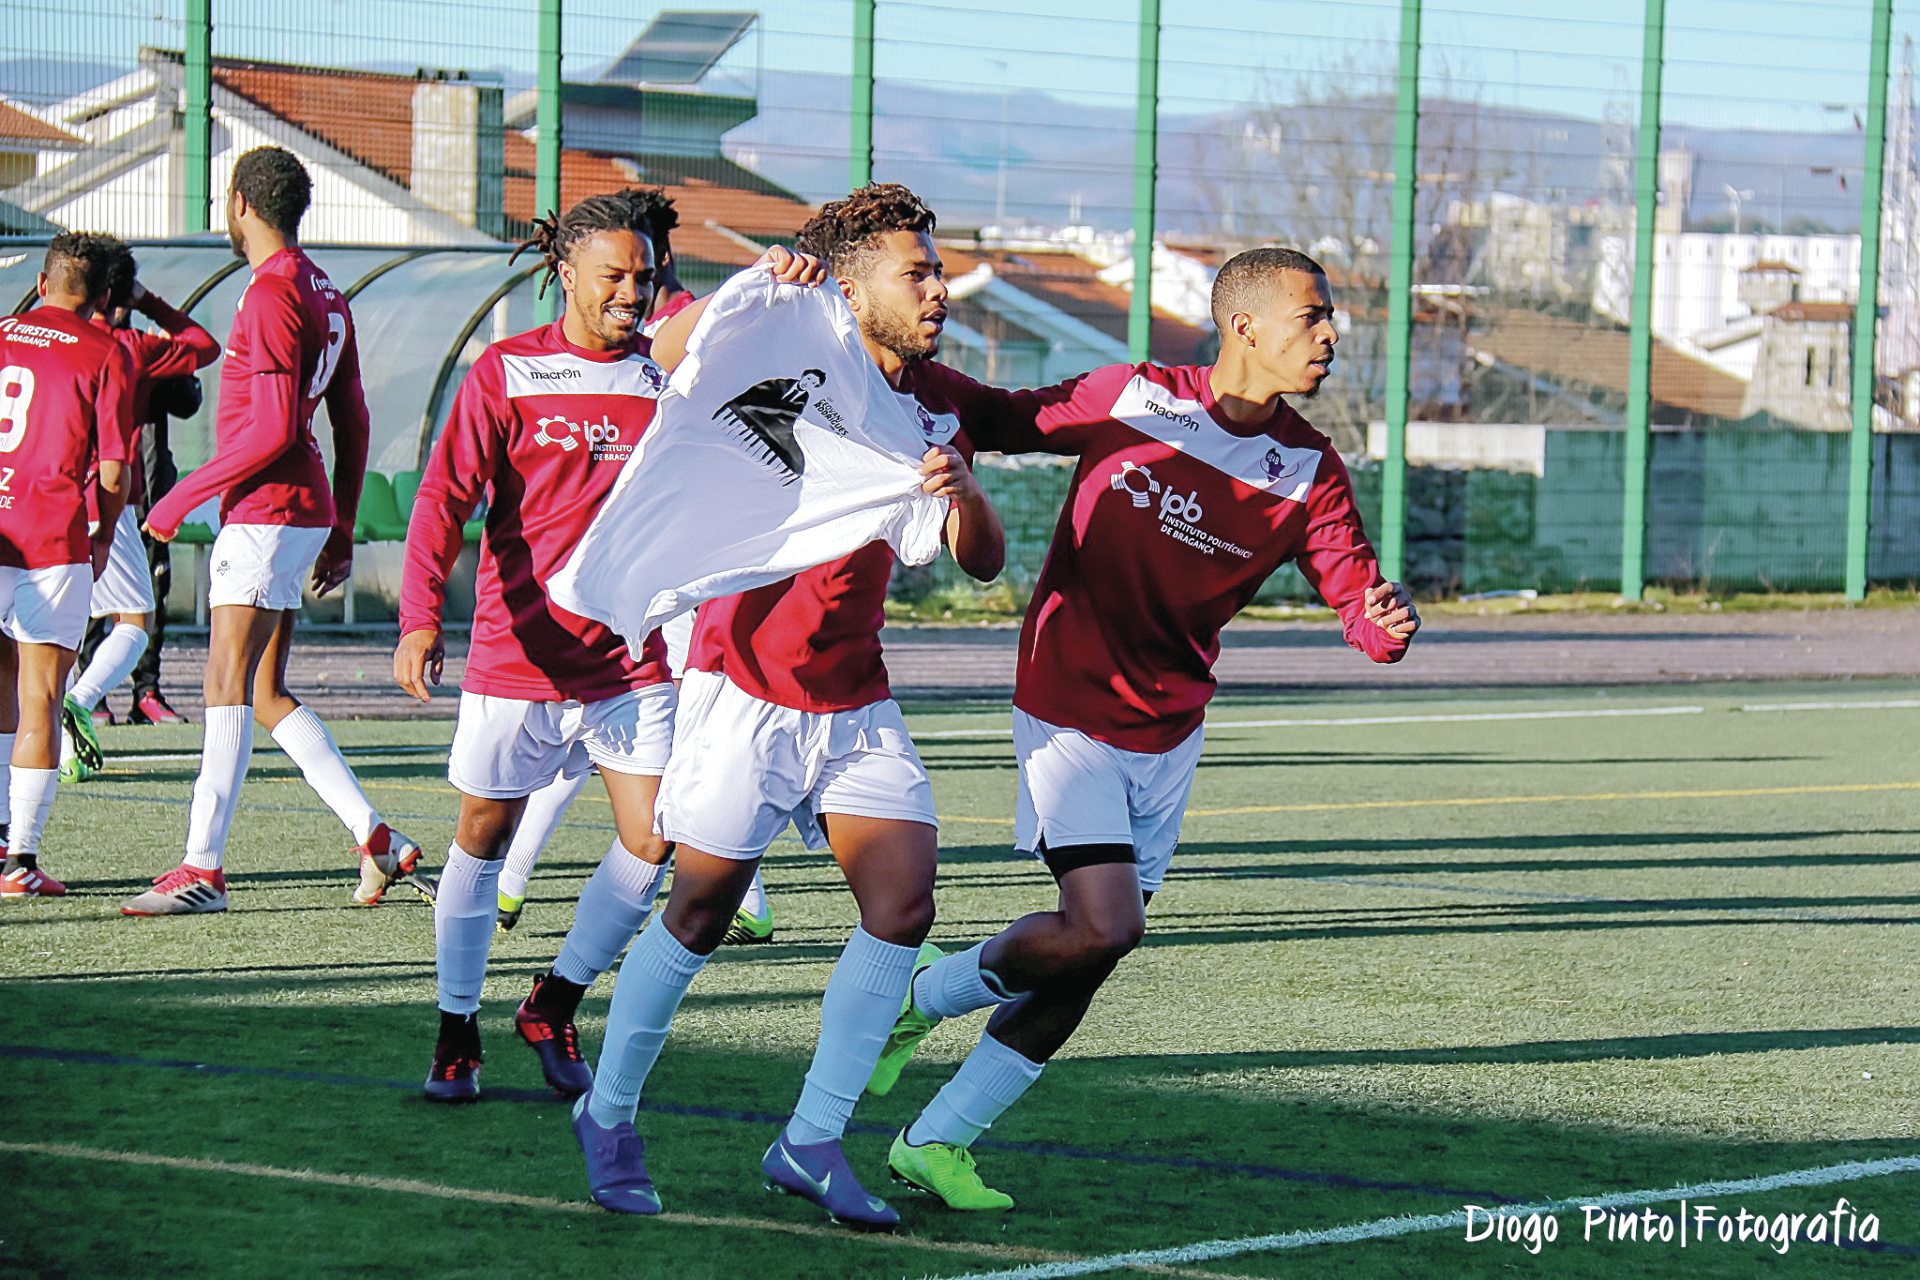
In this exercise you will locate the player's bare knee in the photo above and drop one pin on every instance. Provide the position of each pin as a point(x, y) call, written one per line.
point(905, 923)
point(653, 849)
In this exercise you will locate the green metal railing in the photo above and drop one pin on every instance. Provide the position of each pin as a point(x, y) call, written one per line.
point(1638, 461)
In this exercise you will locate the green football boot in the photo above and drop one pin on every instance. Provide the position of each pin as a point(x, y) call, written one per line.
point(908, 1031)
point(748, 928)
point(947, 1171)
point(87, 758)
point(508, 912)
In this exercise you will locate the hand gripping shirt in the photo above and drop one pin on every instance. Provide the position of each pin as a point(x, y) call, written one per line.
point(778, 447)
point(66, 404)
point(292, 345)
point(1172, 524)
point(543, 429)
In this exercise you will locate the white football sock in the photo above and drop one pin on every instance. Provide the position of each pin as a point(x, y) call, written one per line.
point(463, 913)
point(309, 745)
point(955, 986)
point(755, 903)
point(618, 897)
point(653, 979)
point(991, 1079)
point(226, 748)
point(29, 801)
point(112, 662)
point(859, 1009)
point(537, 823)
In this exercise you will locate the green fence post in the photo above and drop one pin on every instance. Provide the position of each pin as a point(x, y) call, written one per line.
point(1867, 308)
point(860, 158)
point(1646, 199)
point(1406, 181)
point(197, 116)
point(547, 140)
point(1146, 153)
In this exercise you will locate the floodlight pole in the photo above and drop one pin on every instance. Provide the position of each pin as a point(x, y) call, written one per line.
point(547, 141)
point(1146, 148)
point(1646, 200)
point(197, 117)
point(860, 157)
point(1867, 309)
point(1406, 180)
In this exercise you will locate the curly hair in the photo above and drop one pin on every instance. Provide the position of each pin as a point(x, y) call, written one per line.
point(276, 185)
point(846, 233)
point(81, 262)
point(120, 277)
point(641, 210)
point(1242, 282)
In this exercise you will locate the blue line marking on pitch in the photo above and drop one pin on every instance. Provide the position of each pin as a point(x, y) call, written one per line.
point(753, 1117)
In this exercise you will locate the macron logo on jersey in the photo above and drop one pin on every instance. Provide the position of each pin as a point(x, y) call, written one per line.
point(564, 374)
point(1259, 462)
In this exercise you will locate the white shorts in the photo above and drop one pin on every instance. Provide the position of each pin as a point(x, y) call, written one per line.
point(506, 748)
point(127, 584)
point(677, 631)
point(263, 565)
point(1075, 790)
point(46, 606)
point(743, 768)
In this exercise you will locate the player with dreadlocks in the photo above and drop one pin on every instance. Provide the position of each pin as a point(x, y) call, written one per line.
point(292, 345)
point(540, 427)
point(547, 806)
point(786, 715)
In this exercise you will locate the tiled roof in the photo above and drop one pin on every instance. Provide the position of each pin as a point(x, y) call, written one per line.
point(1574, 353)
point(755, 212)
point(1073, 284)
point(1818, 312)
point(366, 114)
point(16, 125)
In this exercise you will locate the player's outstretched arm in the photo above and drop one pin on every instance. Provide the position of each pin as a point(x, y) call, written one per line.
point(670, 342)
point(974, 535)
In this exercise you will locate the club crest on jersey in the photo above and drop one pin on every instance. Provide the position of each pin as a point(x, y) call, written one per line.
point(602, 438)
point(1136, 482)
point(1179, 513)
point(763, 417)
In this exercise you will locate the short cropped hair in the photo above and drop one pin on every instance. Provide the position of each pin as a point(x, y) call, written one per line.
point(1241, 285)
point(276, 185)
point(81, 262)
point(846, 233)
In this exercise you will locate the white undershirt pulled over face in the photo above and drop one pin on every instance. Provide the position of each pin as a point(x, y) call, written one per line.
point(777, 446)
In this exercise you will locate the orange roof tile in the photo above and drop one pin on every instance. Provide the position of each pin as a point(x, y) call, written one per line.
point(1817, 312)
point(366, 114)
point(18, 125)
point(1570, 352)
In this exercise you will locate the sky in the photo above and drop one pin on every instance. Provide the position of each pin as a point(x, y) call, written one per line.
point(1774, 64)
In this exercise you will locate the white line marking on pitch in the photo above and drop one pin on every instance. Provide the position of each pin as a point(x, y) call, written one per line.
point(410, 1186)
point(1454, 718)
point(1384, 1228)
point(181, 757)
point(1832, 706)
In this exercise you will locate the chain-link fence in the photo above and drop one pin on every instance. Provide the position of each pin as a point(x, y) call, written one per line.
point(1515, 441)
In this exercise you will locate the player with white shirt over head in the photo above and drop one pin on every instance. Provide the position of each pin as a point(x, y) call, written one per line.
point(1193, 485)
point(786, 716)
point(66, 408)
point(291, 347)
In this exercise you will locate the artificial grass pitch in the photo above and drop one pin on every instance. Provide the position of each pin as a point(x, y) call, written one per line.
point(1399, 967)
